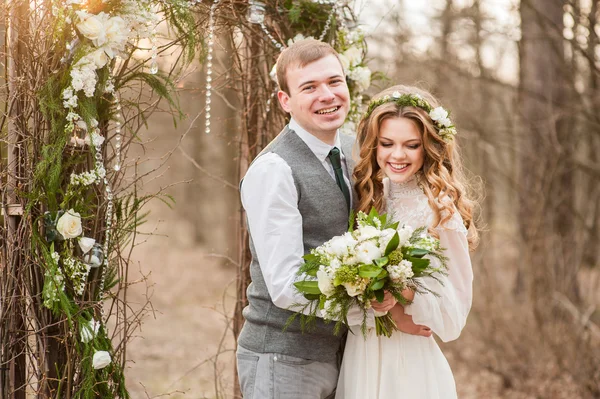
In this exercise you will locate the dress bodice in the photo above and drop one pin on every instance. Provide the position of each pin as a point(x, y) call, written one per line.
point(407, 204)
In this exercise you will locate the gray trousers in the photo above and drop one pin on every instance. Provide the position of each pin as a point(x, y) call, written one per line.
point(277, 376)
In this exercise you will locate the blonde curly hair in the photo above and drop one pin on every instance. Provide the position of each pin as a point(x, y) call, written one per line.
point(443, 180)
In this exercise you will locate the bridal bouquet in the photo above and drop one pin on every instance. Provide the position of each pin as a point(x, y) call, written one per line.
point(360, 265)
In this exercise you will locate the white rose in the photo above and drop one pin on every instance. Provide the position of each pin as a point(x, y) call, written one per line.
point(404, 233)
point(115, 29)
point(345, 62)
point(89, 331)
point(98, 58)
point(445, 122)
point(353, 289)
point(86, 243)
point(367, 252)
point(100, 360)
point(367, 232)
point(354, 55)
point(93, 27)
point(438, 113)
point(362, 77)
point(325, 283)
point(69, 224)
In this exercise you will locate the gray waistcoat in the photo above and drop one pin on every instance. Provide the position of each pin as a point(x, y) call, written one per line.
point(324, 215)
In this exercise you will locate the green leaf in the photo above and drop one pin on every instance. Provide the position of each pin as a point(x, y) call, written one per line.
point(369, 271)
point(417, 252)
point(394, 225)
point(379, 294)
point(418, 264)
point(312, 297)
point(310, 257)
point(381, 262)
point(377, 284)
point(308, 287)
point(351, 218)
point(393, 244)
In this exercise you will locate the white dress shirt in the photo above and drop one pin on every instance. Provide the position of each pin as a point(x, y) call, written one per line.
point(270, 199)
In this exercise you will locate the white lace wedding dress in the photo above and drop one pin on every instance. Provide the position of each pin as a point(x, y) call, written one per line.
point(409, 366)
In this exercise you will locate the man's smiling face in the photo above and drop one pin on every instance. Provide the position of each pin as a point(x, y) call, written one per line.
point(319, 99)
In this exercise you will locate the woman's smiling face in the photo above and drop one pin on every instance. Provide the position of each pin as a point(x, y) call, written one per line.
point(400, 149)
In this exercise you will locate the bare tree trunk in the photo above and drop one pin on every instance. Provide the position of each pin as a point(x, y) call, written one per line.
point(547, 173)
point(13, 313)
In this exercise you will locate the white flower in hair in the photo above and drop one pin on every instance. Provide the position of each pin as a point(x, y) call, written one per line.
point(438, 113)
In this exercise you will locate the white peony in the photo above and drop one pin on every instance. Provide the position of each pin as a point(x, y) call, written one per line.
point(354, 56)
point(101, 359)
point(93, 27)
point(339, 245)
point(69, 224)
point(89, 330)
point(325, 283)
point(86, 243)
point(367, 252)
point(438, 113)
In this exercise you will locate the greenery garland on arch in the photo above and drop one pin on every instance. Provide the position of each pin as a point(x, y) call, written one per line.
point(62, 256)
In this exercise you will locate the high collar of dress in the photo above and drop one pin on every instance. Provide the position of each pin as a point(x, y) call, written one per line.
point(409, 187)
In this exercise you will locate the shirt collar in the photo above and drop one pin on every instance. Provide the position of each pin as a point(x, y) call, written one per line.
point(318, 147)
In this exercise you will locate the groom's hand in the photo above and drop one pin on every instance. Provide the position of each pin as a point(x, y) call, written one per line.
point(405, 323)
point(388, 303)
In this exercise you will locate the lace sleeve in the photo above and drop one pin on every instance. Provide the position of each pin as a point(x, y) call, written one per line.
point(455, 223)
point(446, 314)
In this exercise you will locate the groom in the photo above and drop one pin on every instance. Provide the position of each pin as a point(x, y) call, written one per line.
point(297, 195)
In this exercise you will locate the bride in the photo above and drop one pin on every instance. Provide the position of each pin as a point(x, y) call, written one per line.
point(410, 168)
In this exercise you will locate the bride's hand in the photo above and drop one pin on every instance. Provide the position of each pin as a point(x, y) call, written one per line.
point(388, 303)
point(405, 323)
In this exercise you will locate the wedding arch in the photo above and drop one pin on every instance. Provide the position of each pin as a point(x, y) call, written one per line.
point(80, 81)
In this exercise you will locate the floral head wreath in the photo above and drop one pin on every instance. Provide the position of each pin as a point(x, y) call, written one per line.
point(438, 115)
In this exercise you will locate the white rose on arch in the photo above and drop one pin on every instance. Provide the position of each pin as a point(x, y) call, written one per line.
point(69, 224)
point(101, 359)
point(93, 26)
point(354, 56)
point(362, 77)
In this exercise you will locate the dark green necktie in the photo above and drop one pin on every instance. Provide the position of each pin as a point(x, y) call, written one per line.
point(334, 157)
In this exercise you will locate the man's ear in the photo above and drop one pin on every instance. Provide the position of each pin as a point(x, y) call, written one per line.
point(284, 100)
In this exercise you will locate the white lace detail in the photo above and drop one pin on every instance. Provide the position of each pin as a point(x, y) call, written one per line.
point(406, 203)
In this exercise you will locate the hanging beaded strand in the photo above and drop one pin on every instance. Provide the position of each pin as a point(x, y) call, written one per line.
point(209, 64)
point(154, 52)
point(118, 135)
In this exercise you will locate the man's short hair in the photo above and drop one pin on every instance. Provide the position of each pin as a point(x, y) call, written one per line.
point(300, 54)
